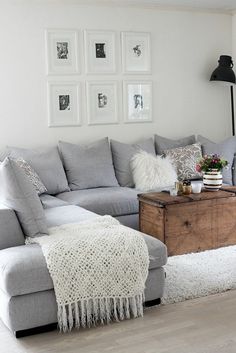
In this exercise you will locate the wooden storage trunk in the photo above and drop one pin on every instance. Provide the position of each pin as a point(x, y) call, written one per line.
point(190, 223)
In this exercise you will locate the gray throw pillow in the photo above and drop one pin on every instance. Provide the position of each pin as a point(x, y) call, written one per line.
point(234, 170)
point(48, 166)
point(184, 159)
point(88, 166)
point(225, 149)
point(32, 175)
point(122, 154)
point(17, 193)
point(163, 143)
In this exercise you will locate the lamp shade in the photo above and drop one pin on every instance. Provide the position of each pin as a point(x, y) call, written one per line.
point(224, 71)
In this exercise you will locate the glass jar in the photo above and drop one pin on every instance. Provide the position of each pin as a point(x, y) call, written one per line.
point(187, 188)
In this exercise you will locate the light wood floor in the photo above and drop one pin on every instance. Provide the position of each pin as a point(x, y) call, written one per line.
point(206, 325)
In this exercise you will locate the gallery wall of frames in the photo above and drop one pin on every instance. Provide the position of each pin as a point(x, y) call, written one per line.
point(69, 52)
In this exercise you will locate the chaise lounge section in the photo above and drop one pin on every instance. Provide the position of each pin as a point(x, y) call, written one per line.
point(27, 299)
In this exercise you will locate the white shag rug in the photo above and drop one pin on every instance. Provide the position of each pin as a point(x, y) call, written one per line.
point(200, 274)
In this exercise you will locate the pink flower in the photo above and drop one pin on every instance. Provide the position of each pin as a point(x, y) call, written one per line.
point(198, 168)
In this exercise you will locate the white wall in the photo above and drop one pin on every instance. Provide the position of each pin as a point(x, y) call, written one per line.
point(185, 50)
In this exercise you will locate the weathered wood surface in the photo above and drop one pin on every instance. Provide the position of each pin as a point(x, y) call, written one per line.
point(229, 188)
point(152, 220)
point(164, 198)
point(204, 221)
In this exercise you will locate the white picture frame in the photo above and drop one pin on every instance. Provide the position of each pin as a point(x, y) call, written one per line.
point(136, 52)
point(63, 104)
point(100, 52)
point(102, 102)
point(62, 47)
point(137, 98)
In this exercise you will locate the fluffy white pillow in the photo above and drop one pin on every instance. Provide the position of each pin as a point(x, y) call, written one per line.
point(152, 172)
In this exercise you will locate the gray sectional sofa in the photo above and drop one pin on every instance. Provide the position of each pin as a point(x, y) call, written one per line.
point(82, 182)
point(27, 299)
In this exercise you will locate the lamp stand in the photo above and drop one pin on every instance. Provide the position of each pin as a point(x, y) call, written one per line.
point(232, 109)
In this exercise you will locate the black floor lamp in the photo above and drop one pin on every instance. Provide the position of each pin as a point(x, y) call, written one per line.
point(225, 73)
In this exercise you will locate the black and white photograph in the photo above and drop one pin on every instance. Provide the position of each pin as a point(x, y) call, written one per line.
point(100, 52)
point(102, 102)
point(62, 47)
point(136, 56)
point(137, 101)
point(137, 50)
point(63, 104)
point(62, 50)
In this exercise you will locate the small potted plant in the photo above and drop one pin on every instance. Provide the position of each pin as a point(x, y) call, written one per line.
point(211, 165)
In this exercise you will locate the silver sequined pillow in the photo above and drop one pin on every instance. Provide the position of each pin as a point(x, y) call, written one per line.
point(32, 175)
point(184, 160)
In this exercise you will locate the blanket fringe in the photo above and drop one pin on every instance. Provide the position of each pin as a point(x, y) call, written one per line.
point(91, 312)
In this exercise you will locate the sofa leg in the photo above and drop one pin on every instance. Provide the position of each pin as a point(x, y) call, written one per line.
point(35, 330)
point(152, 303)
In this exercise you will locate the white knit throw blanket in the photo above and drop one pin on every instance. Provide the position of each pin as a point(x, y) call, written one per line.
point(99, 268)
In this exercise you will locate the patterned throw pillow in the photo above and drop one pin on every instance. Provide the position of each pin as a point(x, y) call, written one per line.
point(185, 159)
point(32, 175)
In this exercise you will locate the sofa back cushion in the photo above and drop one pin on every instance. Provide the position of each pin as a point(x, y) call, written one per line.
point(225, 149)
point(122, 154)
point(18, 193)
point(88, 166)
point(234, 170)
point(10, 230)
point(163, 143)
point(48, 166)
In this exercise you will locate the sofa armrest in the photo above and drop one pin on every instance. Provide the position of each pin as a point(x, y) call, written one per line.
point(10, 230)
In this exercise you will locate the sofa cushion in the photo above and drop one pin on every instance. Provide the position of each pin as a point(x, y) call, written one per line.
point(129, 220)
point(10, 230)
point(67, 214)
point(18, 193)
point(157, 252)
point(122, 154)
point(163, 143)
point(23, 269)
point(234, 170)
point(88, 166)
point(225, 149)
point(115, 201)
point(48, 166)
point(49, 201)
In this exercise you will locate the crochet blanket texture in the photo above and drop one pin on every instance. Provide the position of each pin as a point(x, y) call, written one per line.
point(99, 269)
